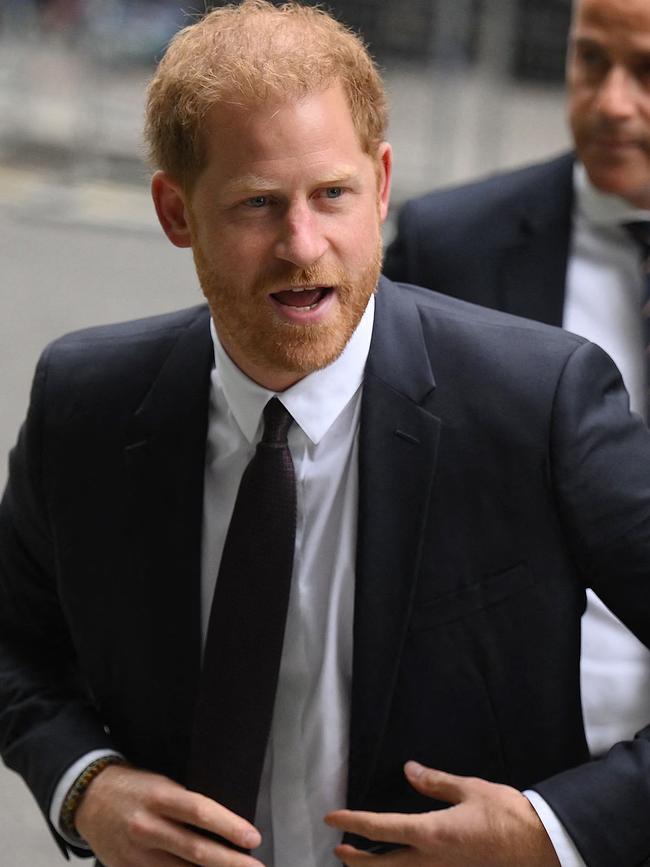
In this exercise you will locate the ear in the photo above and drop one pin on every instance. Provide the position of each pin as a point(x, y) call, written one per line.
point(171, 208)
point(385, 171)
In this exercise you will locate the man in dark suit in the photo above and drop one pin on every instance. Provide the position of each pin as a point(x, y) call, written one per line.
point(460, 475)
point(550, 242)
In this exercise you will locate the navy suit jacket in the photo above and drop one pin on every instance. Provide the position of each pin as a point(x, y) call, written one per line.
point(502, 242)
point(499, 473)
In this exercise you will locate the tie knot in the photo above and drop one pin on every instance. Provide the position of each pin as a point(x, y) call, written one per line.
point(639, 231)
point(277, 421)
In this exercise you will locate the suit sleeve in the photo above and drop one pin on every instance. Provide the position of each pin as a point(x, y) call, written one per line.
point(600, 468)
point(47, 718)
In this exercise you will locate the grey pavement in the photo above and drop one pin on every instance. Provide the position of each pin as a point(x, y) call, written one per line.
point(25, 840)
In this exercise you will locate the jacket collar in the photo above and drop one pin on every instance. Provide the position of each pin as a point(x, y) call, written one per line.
point(532, 278)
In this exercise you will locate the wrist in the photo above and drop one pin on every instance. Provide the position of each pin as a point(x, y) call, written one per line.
point(77, 792)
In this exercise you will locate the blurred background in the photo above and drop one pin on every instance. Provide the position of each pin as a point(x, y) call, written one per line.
point(475, 86)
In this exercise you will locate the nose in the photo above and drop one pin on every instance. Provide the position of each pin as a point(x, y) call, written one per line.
point(301, 240)
point(617, 95)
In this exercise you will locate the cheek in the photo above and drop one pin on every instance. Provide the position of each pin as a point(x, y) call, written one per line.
point(579, 113)
point(360, 234)
point(237, 250)
point(644, 112)
point(354, 252)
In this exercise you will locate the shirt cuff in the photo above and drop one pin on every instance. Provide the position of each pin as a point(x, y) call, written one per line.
point(564, 846)
point(63, 786)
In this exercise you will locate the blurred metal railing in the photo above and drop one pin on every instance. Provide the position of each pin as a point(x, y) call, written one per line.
point(475, 84)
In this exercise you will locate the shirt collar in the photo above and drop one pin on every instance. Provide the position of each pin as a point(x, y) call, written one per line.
point(602, 209)
point(315, 402)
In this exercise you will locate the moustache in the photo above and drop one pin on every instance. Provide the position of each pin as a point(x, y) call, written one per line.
point(294, 278)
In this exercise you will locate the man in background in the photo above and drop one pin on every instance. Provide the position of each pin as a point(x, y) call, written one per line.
point(323, 542)
point(552, 242)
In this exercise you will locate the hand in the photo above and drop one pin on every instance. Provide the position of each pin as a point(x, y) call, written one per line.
point(133, 818)
point(490, 825)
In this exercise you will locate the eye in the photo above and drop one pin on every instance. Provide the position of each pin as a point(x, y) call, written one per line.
point(257, 201)
point(590, 56)
point(592, 60)
point(333, 192)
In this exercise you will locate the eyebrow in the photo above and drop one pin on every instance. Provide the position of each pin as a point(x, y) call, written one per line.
point(638, 54)
point(258, 184)
point(579, 39)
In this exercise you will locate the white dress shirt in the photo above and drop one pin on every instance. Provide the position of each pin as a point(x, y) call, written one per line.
point(603, 303)
point(305, 772)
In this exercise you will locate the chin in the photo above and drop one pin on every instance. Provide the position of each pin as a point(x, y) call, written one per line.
point(303, 360)
point(636, 192)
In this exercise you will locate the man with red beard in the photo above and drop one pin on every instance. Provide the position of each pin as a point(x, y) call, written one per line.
point(457, 477)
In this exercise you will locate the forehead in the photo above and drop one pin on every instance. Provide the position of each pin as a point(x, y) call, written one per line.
point(617, 20)
point(315, 127)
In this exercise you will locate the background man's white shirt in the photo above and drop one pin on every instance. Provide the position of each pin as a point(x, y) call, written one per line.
point(603, 303)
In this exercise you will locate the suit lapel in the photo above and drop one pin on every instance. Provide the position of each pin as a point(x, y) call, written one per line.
point(397, 449)
point(532, 278)
point(165, 457)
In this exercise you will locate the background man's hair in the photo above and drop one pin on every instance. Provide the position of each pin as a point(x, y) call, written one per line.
point(248, 54)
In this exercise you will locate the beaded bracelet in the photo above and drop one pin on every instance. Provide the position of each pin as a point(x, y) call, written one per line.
point(76, 792)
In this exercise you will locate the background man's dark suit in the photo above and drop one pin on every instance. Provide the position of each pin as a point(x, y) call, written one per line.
point(498, 467)
point(450, 240)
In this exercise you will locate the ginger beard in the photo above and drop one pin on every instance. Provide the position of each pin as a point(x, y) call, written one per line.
point(246, 321)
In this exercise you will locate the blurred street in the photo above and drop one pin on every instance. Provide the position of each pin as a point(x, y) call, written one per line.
point(79, 241)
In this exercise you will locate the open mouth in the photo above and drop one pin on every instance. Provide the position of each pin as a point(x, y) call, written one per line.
point(304, 298)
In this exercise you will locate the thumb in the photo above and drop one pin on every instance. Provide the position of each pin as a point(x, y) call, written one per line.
point(436, 784)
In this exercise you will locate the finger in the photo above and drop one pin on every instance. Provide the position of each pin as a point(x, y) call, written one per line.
point(164, 859)
point(191, 808)
point(358, 858)
point(353, 857)
point(150, 832)
point(198, 850)
point(437, 784)
point(383, 827)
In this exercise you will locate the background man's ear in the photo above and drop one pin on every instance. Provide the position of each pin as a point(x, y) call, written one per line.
point(171, 208)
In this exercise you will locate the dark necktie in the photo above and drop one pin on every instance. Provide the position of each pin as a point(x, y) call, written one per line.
point(243, 647)
point(640, 232)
